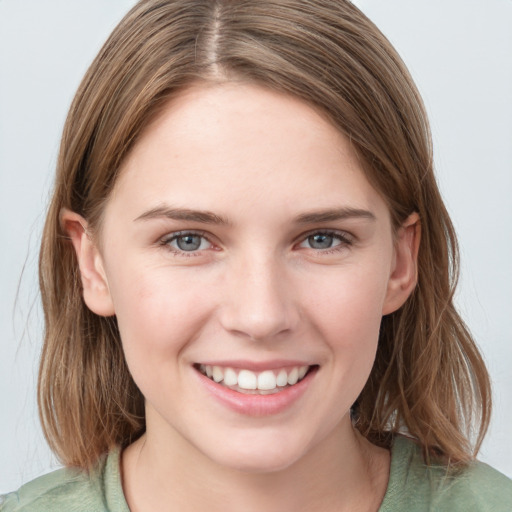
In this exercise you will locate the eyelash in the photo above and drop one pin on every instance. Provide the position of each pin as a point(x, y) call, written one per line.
point(344, 238)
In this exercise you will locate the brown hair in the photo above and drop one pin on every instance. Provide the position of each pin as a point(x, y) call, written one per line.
point(428, 379)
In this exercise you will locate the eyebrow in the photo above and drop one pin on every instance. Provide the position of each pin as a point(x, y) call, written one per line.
point(207, 217)
point(330, 215)
point(202, 216)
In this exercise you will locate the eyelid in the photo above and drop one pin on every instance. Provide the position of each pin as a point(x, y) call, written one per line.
point(182, 232)
point(339, 233)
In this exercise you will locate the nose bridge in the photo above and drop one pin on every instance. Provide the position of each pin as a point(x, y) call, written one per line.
point(259, 303)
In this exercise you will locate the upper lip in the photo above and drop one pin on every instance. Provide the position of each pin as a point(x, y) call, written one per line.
point(255, 366)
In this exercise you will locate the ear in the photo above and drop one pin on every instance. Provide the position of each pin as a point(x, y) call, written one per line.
point(94, 281)
point(404, 273)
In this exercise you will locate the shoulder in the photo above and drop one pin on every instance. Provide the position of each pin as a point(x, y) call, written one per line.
point(59, 490)
point(71, 490)
point(476, 488)
point(414, 486)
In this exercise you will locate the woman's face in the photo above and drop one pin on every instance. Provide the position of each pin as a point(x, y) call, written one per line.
point(243, 241)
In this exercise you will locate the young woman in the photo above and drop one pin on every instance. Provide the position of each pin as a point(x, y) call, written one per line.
point(247, 275)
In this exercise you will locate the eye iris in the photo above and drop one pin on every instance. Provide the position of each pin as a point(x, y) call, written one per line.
point(188, 242)
point(320, 241)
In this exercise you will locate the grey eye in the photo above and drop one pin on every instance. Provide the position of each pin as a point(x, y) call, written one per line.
point(320, 241)
point(188, 242)
point(182, 242)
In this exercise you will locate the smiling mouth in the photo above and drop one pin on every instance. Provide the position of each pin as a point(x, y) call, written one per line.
point(256, 383)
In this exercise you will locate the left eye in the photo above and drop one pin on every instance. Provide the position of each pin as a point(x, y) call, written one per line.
point(322, 241)
point(188, 242)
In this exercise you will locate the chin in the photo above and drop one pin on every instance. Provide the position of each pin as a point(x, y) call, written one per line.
point(258, 463)
point(259, 456)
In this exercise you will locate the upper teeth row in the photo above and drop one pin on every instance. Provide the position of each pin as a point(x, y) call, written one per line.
point(246, 379)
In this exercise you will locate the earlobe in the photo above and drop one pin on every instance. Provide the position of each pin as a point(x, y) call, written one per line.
point(96, 292)
point(404, 274)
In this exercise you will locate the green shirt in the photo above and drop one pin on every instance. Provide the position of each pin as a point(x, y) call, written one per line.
point(413, 487)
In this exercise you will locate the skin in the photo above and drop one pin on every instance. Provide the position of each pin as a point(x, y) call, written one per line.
point(258, 290)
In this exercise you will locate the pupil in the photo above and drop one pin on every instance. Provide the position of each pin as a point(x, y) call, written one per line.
point(320, 241)
point(189, 242)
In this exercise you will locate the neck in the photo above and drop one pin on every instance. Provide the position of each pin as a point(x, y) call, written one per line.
point(343, 472)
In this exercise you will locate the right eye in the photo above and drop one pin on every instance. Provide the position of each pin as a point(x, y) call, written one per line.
point(186, 242)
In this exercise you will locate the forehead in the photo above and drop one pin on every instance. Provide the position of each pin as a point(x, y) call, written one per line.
point(232, 145)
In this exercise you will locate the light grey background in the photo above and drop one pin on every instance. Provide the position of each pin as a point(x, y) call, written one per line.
point(459, 52)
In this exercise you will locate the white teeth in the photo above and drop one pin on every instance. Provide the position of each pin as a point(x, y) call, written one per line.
point(247, 380)
point(218, 374)
point(230, 377)
point(267, 380)
point(302, 371)
point(293, 377)
point(282, 378)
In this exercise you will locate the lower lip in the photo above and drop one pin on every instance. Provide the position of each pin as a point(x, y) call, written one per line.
point(257, 405)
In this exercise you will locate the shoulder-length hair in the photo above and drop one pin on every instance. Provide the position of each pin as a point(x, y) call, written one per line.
point(428, 379)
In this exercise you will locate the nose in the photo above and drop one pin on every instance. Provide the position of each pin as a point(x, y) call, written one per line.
point(259, 302)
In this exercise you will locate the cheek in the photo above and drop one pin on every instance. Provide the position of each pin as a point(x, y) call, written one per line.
point(349, 302)
point(347, 316)
point(157, 312)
